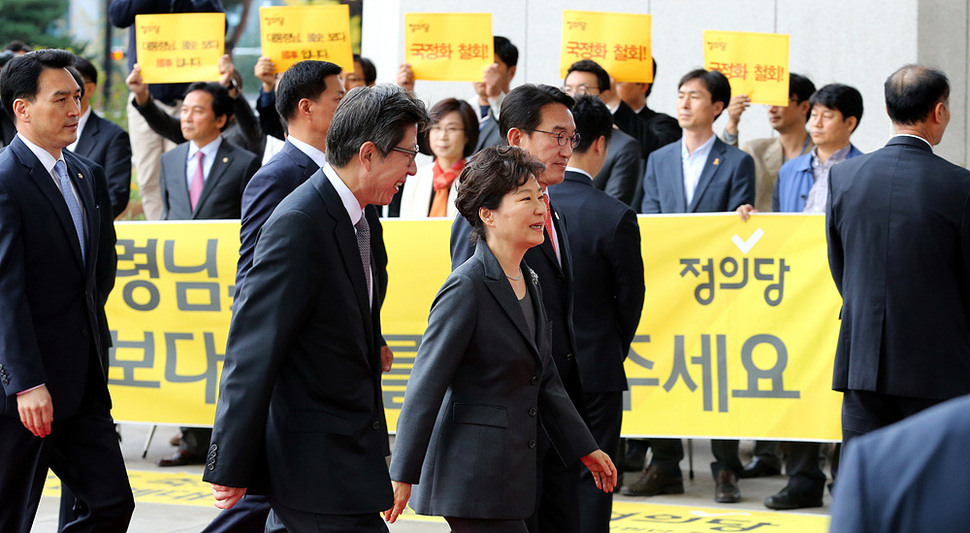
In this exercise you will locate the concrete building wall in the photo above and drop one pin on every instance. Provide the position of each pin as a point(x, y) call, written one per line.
point(858, 43)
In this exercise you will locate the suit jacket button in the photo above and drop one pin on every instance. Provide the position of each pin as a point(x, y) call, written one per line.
point(376, 425)
point(84, 332)
point(532, 444)
point(560, 278)
point(534, 381)
point(569, 357)
point(533, 411)
point(212, 466)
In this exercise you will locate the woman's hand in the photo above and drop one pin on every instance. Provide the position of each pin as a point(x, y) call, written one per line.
point(604, 473)
point(402, 493)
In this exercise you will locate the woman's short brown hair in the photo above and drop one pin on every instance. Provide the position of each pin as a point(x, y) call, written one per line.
point(490, 175)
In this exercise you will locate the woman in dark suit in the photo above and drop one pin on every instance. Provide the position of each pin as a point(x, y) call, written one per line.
point(484, 378)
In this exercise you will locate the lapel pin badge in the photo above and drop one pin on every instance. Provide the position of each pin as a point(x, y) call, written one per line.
point(225, 159)
point(717, 160)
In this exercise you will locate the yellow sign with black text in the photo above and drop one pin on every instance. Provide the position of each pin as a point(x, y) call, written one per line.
point(618, 42)
point(756, 64)
point(180, 47)
point(448, 46)
point(736, 338)
point(291, 34)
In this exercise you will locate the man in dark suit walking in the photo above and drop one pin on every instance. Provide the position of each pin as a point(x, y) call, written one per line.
point(57, 266)
point(898, 223)
point(103, 141)
point(300, 413)
point(537, 119)
point(604, 240)
point(307, 97)
point(204, 178)
point(700, 174)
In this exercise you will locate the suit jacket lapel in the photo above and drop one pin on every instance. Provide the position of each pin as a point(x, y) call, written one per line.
point(346, 238)
point(179, 192)
point(774, 155)
point(546, 245)
point(677, 174)
point(222, 161)
point(42, 178)
point(713, 163)
point(502, 291)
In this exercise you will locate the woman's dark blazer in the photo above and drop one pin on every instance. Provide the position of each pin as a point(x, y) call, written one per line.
point(466, 437)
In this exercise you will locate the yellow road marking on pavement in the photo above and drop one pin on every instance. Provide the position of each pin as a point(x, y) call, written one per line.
point(177, 488)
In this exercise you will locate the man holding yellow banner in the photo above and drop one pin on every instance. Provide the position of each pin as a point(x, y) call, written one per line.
point(698, 174)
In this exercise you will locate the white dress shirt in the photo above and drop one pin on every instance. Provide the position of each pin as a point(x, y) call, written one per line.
point(208, 157)
point(694, 165)
point(354, 211)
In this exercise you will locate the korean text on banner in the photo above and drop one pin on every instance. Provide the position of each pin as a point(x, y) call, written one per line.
point(618, 42)
point(736, 340)
point(448, 46)
point(291, 34)
point(180, 47)
point(738, 335)
point(755, 63)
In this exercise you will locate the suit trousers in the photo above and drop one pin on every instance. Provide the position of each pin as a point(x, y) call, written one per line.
point(605, 416)
point(304, 522)
point(557, 492)
point(147, 148)
point(83, 452)
point(667, 454)
point(865, 411)
point(483, 525)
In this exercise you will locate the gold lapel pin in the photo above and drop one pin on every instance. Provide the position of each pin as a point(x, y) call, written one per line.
point(225, 159)
point(716, 161)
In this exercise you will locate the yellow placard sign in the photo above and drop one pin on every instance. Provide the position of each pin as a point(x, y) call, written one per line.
point(618, 42)
point(180, 47)
point(755, 63)
point(448, 46)
point(291, 34)
point(736, 340)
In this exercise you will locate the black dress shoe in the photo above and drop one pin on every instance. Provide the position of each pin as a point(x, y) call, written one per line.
point(727, 490)
point(653, 482)
point(759, 468)
point(182, 458)
point(788, 499)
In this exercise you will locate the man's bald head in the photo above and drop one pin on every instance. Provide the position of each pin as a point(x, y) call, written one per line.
point(912, 93)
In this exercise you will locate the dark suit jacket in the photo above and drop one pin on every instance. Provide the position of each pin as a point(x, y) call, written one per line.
point(300, 398)
point(899, 249)
point(905, 477)
point(222, 193)
point(105, 143)
point(489, 135)
point(622, 169)
point(604, 243)
point(52, 327)
point(7, 128)
point(283, 173)
point(726, 182)
point(630, 123)
point(557, 296)
point(479, 385)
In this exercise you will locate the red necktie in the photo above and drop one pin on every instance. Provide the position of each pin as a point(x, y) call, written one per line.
point(548, 224)
point(195, 189)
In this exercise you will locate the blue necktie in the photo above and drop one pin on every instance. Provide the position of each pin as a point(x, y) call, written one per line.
point(72, 204)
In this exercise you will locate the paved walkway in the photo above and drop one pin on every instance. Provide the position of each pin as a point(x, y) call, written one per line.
point(174, 500)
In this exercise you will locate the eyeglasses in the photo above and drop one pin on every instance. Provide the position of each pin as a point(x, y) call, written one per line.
point(561, 138)
point(450, 130)
point(581, 89)
point(410, 153)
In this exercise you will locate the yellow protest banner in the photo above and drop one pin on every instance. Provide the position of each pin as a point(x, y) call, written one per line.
point(180, 47)
point(755, 63)
point(738, 332)
point(291, 34)
point(448, 46)
point(618, 42)
point(736, 339)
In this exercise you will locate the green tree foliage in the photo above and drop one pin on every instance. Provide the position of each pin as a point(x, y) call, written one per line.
point(38, 23)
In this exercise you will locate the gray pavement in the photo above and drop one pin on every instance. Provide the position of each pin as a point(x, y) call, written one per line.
point(182, 518)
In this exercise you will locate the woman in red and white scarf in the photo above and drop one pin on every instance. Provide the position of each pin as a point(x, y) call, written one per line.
point(451, 137)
